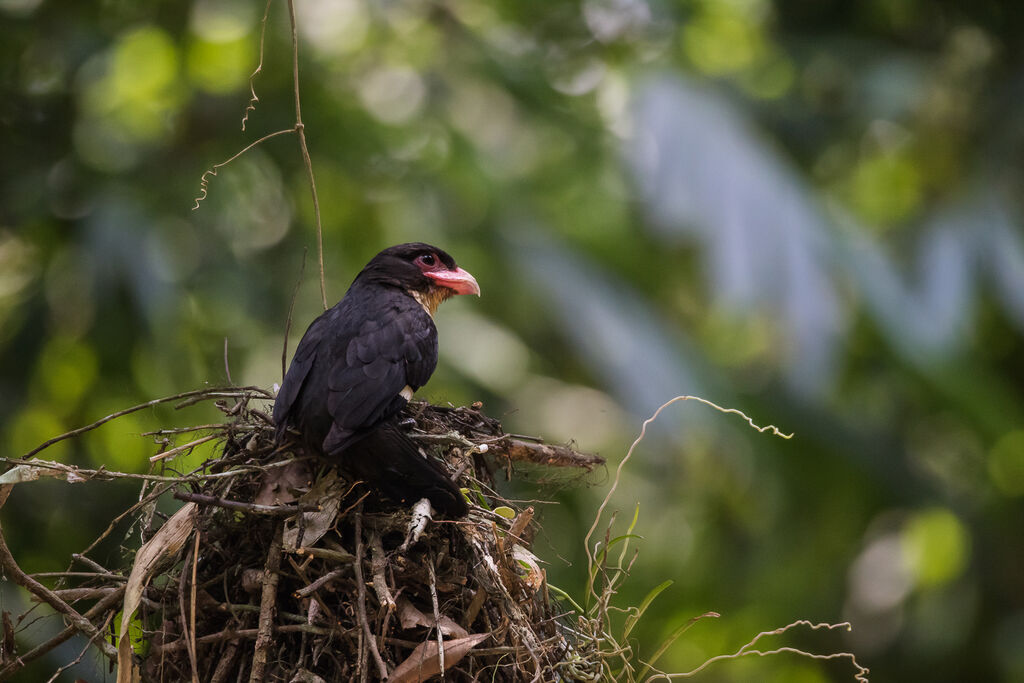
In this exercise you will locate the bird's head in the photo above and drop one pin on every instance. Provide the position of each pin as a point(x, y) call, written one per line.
point(425, 272)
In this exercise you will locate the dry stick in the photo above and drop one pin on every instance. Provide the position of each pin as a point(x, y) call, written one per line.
point(227, 661)
point(437, 615)
point(172, 431)
point(111, 600)
point(182, 448)
point(126, 411)
point(306, 591)
point(93, 564)
point(265, 632)
point(259, 68)
point(474, 608)
point(70, 595)
point(227, 368)
point(316, 596)
point(253, 508)
point(81, 654)
point(379, 562)
point(629, 454)
point(301, 130)
point(233, 608)
point(192, 615)
point(361, 601)
point(204, 180)
point(747, 650)
point(109, 475)
point(549, 455)
point(80, 623)
point(248, 633)
point(79, 575)
point(339, 556)
point(183, 614)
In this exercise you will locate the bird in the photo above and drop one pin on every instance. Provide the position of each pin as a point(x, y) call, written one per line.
point(359, 363)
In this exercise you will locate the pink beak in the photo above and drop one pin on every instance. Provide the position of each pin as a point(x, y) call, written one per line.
point(458, 280)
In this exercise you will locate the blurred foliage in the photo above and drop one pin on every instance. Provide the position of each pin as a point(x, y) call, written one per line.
point(807, 210)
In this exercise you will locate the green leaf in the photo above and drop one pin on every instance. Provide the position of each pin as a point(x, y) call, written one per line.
point(671, 639)
point(559, 593)
point(632, 620)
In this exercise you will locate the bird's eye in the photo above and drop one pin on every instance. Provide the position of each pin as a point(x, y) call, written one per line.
point(427, 259)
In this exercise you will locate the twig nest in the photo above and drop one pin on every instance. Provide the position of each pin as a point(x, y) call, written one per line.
point(280, 568)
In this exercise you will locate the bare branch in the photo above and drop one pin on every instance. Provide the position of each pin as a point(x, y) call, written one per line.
point(748, 650)
point(204, 181)
point(239, 506)
point(268, 601)
point(629, 454)
point(80, 623)
point(253, 99)
point(199, 393)
point(301, 129)
point(361, 600)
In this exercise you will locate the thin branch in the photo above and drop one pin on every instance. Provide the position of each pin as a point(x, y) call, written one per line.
point(192, 614)
point(227, 368)
point(81, 654)
point(248, 633)
point(300, 128)
point(177, 450)
point(268, 600)
point(437, 616)
point(306, 591)
point(629, 454)
point(748, 649)
point(209, 392)
point(80, 623)
point(239, 506)
point(38, 651)
point(188, 635)
point(253, 99)
point(361, 600)
point(92, 564)
point(337, 556)
point(204, 180)
point(110, 576)
point(379, 563)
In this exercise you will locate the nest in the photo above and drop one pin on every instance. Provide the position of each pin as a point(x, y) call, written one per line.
point(279, 568)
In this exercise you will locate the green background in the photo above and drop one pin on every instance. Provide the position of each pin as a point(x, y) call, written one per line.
point(807, 210)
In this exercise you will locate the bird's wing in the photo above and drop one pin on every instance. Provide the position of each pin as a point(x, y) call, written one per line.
point(394, 349)
point(302, 362)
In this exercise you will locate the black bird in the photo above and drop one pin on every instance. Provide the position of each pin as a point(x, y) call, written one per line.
point(359, 363)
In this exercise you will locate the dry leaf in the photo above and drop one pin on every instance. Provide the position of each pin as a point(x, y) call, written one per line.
point(281, 483)
point(305, 676)
point(8, 647)
point(164, 545)
point(528, 567)
point(411, 617)
point(424, 661)
point(326, 493)
point(24, 473)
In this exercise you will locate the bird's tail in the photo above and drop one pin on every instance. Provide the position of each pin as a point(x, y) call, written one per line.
point(390, 462)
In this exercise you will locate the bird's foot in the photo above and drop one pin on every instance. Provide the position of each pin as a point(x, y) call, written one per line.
point(408, 423)
point(422, 513)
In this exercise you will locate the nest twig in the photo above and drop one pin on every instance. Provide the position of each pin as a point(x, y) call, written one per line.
point(264, 573)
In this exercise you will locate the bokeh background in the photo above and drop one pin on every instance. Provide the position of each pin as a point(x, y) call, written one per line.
point(808, 210)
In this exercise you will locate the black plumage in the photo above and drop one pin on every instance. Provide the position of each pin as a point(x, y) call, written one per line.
point(358, 364)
